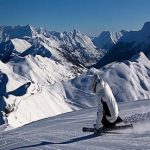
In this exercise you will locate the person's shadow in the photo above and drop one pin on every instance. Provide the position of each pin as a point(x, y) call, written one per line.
point(82, 138)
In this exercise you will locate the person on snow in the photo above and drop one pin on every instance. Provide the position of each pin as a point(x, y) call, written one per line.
point(107, 113)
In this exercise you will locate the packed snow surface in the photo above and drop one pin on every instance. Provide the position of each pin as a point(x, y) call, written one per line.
point(64, 131)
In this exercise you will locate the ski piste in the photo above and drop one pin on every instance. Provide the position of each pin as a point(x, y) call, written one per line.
point(105, 130)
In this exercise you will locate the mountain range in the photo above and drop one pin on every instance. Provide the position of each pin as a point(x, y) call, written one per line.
point(46, 72)
point(129, 44)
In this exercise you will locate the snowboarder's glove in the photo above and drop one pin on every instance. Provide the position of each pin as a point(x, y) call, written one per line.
point(96, 131)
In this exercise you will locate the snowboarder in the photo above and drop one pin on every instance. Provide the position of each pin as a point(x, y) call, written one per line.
point(107, 113)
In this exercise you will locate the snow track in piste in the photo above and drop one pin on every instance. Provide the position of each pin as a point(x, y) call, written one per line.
point(138, 117)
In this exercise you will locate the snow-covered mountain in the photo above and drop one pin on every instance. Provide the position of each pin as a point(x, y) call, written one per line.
point(75, 46)
point(107, 39)
point(78, 47)
point(41, 58)
point(128, 45)
point(42, 73)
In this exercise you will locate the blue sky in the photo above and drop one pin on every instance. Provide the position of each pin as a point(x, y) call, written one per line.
point(89, 16)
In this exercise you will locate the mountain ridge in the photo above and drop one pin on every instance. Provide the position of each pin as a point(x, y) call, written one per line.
point(74, 45)
point(128, 45)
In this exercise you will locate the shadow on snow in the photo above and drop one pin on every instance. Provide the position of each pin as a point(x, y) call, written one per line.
point(82, 138)
point(78, 139)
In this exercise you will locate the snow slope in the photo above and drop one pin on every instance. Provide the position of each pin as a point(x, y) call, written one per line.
point(32, 61)
point(129, 80)
point(40, 99)
point(29, 56)
point(64, 132)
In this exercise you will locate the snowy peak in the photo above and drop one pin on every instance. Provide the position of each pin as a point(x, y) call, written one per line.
point(76, 32)
point(115, 36)
point(76, 37)
point(83, 39)
point(72, 40)
point(45, 32)
point(76, 46)
point(107, 39)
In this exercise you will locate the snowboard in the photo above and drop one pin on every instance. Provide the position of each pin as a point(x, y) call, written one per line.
point(105, 130)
